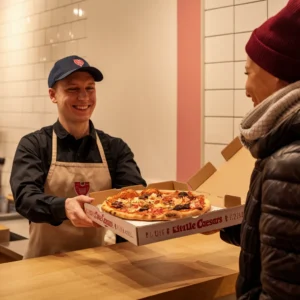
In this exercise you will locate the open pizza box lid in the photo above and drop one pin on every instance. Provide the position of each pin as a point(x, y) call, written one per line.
point(225, 187)
point(228, 185)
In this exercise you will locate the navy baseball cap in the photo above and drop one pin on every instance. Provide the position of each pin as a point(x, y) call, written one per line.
point(68, 65)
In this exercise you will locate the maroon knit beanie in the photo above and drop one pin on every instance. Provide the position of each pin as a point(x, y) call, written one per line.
point(275, 45)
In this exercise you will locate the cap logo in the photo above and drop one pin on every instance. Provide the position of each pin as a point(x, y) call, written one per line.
point(79, 62)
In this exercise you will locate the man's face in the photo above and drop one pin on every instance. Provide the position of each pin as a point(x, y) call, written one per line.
point(260, 84)
point(75, 97)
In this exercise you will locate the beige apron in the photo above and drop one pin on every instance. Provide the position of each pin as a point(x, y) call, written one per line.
point(67, 180)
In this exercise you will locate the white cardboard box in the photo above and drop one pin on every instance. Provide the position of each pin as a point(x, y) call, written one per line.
point(226, 188)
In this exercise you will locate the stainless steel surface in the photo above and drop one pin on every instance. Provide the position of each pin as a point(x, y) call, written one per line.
point(10, 216)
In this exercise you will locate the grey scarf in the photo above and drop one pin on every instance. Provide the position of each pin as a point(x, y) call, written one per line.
point(270, 113)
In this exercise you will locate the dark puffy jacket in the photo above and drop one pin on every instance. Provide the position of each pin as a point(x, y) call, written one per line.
point(269, 236)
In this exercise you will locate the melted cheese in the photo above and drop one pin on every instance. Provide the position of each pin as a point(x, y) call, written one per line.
point(153, 196)
point(177, 201)
point(135, 200)
point(133, 209)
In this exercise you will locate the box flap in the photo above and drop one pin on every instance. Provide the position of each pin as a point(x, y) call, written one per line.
point(232, 201)
point(232, 178)
point(232, 148)
point(202, 175)
point(169, 185)
point(180, 186)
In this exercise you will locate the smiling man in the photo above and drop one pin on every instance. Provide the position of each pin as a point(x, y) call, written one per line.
point(56, 167)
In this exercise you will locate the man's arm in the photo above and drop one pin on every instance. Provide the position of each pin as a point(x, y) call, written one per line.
point(27, 184)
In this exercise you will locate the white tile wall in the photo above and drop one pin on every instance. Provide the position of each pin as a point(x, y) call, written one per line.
point(215, 53)
point(274, 6)
point(64, 2)
point(239, 45)
point(228, 23)
point(224, 24)
point(239, 75)
point(209, 4)
point(219, 103)
point(243, 1)
point(213, 154)
point(249, 16)
point(236, 129)
point(242, 104)
point(218, 130)
point(219, 76)
point(33, 34)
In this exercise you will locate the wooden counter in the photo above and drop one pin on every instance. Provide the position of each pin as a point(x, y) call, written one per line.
point(192, 267)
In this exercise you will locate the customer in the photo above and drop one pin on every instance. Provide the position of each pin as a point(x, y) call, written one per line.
point(270, 232)
point(57, 166)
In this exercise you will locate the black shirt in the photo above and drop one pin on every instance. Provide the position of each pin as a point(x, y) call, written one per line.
point(32, 162)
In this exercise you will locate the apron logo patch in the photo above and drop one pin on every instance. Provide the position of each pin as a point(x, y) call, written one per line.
point(81, 188)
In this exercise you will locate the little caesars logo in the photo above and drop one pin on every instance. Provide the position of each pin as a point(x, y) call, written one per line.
point(197, 225)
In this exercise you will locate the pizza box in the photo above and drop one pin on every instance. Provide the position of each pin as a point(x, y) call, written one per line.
point(226, 188)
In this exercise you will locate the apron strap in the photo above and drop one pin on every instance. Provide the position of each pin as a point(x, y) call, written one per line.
point(54, 147)
point(101, 150)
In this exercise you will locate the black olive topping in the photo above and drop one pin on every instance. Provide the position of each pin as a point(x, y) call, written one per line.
point(146, 207)
point(184, 206)
point(117, 204)
point(182, 194)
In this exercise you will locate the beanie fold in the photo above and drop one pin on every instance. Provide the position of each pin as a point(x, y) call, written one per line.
point(281, 66)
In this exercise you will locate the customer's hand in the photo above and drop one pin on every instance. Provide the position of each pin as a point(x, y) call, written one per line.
point(75, 213)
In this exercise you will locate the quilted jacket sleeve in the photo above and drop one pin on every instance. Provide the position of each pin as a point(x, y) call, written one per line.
point(231, 235)
point(280, 228)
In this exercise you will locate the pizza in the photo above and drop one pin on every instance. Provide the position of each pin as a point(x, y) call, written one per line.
point(153, 204)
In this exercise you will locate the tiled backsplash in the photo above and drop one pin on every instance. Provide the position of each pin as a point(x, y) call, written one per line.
point(227, 27)
point(33, 34)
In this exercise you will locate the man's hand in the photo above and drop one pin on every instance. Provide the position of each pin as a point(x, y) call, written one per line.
point(75, 213)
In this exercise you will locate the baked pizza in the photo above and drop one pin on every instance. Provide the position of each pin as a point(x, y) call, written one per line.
point(154, 204)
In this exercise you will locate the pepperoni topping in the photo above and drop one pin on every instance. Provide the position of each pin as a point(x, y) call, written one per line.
point(149, 192)
point(156, 210)
point(126, 194)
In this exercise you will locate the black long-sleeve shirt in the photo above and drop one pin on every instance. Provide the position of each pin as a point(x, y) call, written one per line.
point(32, 162)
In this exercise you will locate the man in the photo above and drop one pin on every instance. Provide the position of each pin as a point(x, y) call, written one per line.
point(55, 167)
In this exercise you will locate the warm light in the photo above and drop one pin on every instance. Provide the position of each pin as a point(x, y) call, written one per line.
point(78, 12)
